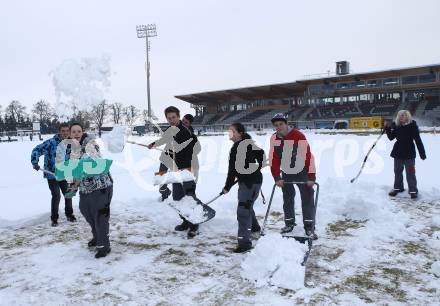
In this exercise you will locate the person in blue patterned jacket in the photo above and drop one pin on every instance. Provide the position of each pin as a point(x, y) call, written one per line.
point(95, 192)
point(48, 149)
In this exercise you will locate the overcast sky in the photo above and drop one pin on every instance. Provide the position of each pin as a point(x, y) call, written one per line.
point(208, 44)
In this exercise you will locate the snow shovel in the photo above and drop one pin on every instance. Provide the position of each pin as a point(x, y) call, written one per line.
point(208, 212)
point(116, 139)
point(70, 192)
point(219, 195)
point(144, 145)
point(196, 214)
point(300, 239)
point(366, 157)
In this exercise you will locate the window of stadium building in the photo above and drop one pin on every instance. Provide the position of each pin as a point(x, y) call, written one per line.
point(223, 108)
point(343, 86)
point(391, 82)
point(427, 78)
point(411, 79)
point(359, 84)
point(364, 97)
point(374, 83)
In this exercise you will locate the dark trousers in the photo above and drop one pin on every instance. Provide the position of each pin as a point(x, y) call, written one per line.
point(55, 188)
point(410, 169)
point(95, 207)
point(186, 189)
point(307, 202)
point(163, 189)
point(245, 213)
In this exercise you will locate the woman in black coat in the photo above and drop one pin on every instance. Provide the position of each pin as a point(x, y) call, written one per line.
point(245, 163)
point(406, 131)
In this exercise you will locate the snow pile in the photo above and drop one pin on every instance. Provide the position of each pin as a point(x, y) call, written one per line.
point(79, 85)
point(190, 209)
point(276, 261)
point(435, 221)
point(435, 268)
point(116, 138)
point(174, 177)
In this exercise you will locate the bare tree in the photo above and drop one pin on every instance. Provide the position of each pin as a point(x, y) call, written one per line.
point(42, 111)
point(116, 109)
point(82, 117)
point(130, 114)
point(16, 111)
point(145, 116)
point(98, 114)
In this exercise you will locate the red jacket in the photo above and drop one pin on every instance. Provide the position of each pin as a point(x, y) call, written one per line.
point(297, 142)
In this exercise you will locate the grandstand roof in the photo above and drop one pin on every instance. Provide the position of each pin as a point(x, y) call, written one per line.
point(373, 74)
point(291, 89)
point(274, 91)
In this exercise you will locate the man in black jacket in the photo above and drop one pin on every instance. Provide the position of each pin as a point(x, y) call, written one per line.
point(406, 131)
point(179, 145)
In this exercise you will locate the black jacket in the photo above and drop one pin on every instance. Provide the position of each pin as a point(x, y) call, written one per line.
point(406, 135)
point(252, 157)
point(182, 146)
point(179, 144)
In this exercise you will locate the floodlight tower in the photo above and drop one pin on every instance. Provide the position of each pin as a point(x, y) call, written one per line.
point(147, 31)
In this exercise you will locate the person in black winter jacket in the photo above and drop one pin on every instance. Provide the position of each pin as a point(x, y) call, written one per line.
point(406, 131)
point(245, 163)
point(181, 146)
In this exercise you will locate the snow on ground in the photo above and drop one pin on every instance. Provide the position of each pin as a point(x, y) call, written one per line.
point(371, 249)
point(282, 259)
point(189, 209)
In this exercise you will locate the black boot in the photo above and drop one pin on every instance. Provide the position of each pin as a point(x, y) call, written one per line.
point(182, 227)
point(54, 223)
point(255, 228)
point(165, 192)
point(287, 229)
point(311, 234)
point(92, 243)
point(394, 192)
point(414, 195)
point(71, 218)
point(102, 252)
point(193, 231)
point(242, 249)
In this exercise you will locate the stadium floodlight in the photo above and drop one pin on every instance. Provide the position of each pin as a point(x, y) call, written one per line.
point(147, 31)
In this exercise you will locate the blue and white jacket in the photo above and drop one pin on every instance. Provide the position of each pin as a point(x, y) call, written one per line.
point(48, 149)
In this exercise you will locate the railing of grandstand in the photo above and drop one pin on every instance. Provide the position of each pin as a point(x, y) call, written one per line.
point(376, 83)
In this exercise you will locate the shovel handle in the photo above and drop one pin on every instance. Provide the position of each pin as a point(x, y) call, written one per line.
point(144, 145)
point(47, 171)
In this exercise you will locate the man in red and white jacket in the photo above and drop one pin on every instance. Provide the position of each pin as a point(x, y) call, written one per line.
point(292, 161)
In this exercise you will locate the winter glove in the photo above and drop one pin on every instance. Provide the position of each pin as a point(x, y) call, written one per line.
point(423, 157)
point(224, 191)
point(36, 167)
point(310, 184)
point(280, 183)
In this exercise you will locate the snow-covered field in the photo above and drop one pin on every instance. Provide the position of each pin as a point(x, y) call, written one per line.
point(372, 249)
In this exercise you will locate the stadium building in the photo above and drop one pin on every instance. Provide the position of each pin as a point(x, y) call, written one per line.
point(342, 100)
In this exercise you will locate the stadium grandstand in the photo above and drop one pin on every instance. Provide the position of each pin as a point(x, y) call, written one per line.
point(324, 102)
